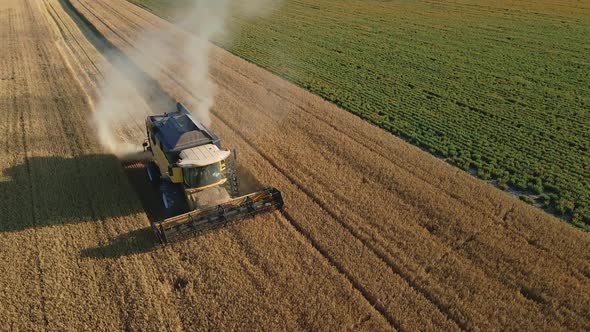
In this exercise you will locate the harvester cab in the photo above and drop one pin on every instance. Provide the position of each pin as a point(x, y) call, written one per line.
point(196, 178)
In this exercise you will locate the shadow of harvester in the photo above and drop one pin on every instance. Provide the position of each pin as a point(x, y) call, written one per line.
point(143, 240)
point(134, 242)
point(52, 191)
point(140, 240)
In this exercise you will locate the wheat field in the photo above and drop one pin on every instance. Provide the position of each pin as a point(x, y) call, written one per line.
point(376, 233)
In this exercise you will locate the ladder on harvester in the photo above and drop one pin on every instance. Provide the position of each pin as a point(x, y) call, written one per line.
point(231, 184)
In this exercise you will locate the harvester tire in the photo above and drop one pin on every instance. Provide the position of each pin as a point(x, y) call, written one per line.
point(171, 199)
point(153, 173)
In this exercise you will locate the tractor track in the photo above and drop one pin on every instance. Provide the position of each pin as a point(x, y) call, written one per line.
point(77, 150)
point(67, 37)
point(383, 257)
point(102, 231)
point(38, 263)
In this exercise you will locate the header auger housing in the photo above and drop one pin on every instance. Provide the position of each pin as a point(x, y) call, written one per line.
point(196, 179)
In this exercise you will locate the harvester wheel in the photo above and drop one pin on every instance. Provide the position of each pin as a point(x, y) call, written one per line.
point(153, 173)
point(171, 199)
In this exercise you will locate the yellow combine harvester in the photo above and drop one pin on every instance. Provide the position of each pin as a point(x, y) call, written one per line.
point(196, 178)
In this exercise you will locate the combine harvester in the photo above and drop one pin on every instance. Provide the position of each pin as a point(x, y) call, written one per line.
point(196, 178)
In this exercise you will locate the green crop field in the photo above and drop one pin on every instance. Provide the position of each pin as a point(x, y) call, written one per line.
point(498, 88)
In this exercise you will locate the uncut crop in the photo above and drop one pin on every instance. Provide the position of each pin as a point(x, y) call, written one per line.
point(496, 88)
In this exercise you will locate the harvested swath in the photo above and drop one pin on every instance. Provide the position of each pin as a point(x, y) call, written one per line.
point(410, 213)
point(75, 252)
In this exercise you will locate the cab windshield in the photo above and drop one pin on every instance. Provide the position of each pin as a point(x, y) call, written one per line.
point(197, 177)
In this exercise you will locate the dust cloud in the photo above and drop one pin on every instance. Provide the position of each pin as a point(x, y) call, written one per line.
point(184, 54)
